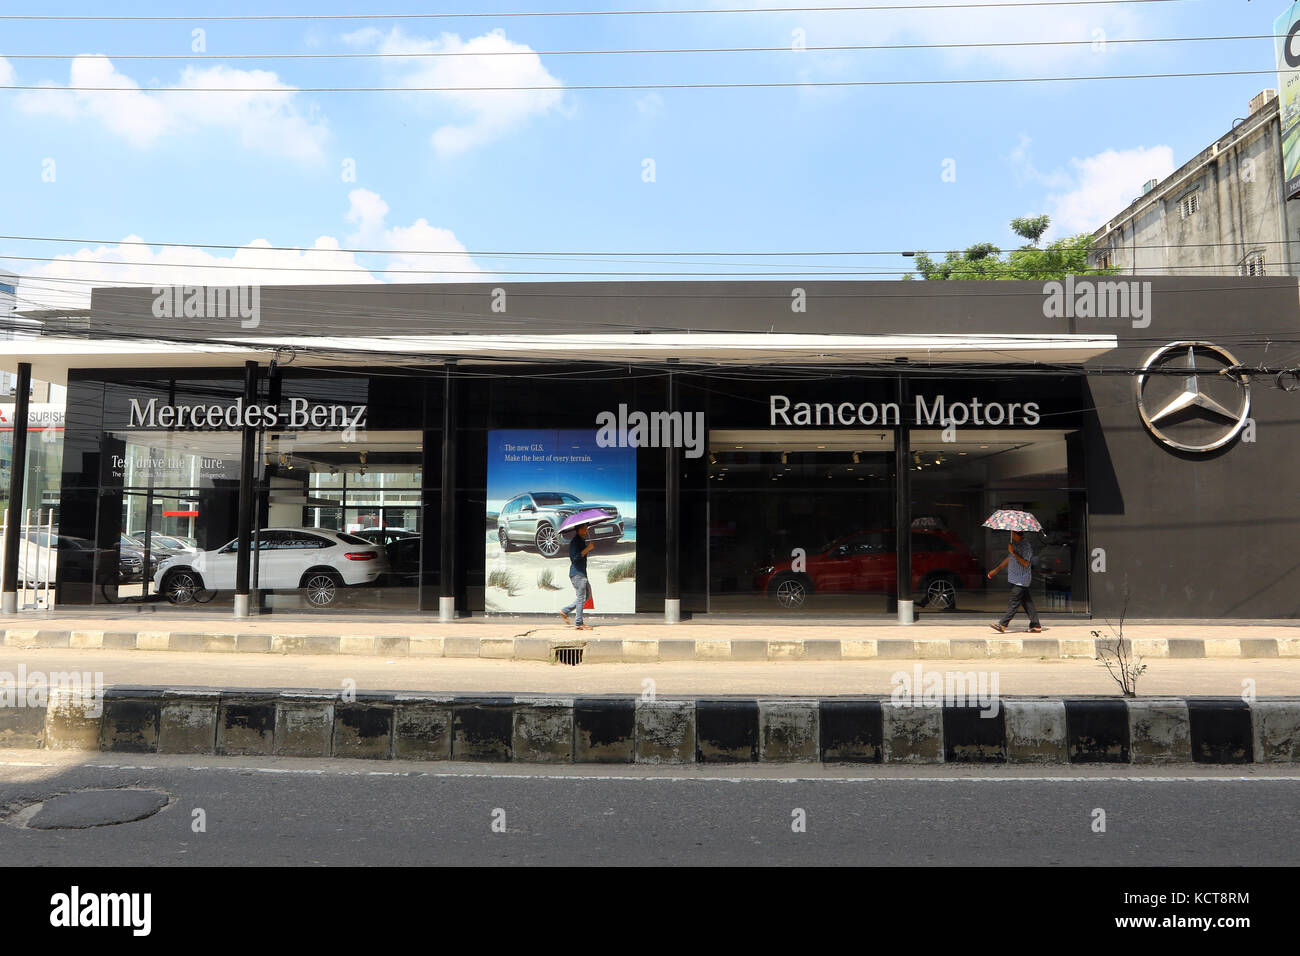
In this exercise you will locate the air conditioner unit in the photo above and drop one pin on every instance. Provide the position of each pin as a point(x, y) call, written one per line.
point(1149, 185)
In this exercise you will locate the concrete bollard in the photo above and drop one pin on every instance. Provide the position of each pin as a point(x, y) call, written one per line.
point(1159, 731)
point(726, 731)
point(1277, 731)
point(1035, 731)
point(188, 723)
point(482, 728)
point(912, 734)
point(851, 731)
point(130, 722)
point(304, 725)
point(604, 730)
point(665, 731)
point(543, 730)
point(789, 731)
point(422, 728)
point(246, 724)
point(363, 729)
point(72, 720)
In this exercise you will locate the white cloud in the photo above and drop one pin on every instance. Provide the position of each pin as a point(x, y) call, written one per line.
point(66, 282)
point(476, 118)
point(6, 72)
point(417, 247)
point(1105, 184)
point(267, 117)
point(1086, 193)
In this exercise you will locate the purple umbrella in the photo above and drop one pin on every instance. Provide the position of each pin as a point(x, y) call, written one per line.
point(588, 517)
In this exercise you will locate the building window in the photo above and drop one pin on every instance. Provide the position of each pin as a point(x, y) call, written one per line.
point(1188, 205)
point(1252, 265)
point(1104, 259)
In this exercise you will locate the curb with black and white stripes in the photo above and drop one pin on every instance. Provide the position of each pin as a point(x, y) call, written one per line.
point(628, 729)
point(613, 650)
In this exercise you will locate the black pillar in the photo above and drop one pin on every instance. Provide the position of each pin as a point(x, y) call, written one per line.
point(247, 460)
point(903, 499)
point(17, 479)
point(672, 513)
point(447, 566)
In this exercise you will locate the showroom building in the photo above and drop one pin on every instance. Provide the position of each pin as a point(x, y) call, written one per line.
point(806, 449)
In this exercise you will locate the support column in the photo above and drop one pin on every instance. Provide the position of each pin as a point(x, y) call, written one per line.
point(672, 526)
point(247, 460)
point(903, 504)
point(17, 480)
point(447, 561)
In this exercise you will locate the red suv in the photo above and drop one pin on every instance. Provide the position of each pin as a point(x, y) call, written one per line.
point(864, 562)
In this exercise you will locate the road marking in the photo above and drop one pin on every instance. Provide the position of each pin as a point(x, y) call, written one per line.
point(473, 775)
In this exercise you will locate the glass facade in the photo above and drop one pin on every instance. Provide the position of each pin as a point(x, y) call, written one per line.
point(787, 503)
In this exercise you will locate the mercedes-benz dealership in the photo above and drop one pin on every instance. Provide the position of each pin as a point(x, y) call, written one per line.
point(812, 449)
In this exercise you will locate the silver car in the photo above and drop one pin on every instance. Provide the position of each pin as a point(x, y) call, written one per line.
point(533, 520)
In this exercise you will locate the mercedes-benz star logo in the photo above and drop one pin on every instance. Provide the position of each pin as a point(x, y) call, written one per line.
point(1192, 397)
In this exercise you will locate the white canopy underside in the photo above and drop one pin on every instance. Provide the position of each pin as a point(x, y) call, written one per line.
point(51, 357)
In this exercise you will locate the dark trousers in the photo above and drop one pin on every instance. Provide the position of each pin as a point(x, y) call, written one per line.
point(1020, 595)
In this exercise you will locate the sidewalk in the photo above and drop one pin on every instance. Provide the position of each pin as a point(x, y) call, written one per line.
point(637, 639)
point(1211, 678)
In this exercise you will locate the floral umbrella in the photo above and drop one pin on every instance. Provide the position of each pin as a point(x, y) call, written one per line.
point(1008, 520)
point(588, 516)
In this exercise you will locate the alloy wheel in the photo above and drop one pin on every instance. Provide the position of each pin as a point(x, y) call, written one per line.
point(182, 588)
point(791, 593)
point(941, 594)
point(548, 541)
point(320, 590)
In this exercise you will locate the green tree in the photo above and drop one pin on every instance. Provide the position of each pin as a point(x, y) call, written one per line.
point(984, 260)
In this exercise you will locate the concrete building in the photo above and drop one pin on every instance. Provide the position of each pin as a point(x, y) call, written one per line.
point(1221, 213)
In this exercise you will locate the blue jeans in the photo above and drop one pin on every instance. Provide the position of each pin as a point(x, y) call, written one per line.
point(579, 582)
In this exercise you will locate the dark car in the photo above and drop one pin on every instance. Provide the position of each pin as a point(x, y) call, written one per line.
point(533, 519)
point(130, 559)
point(403, 561)
point(1054, 562)
point(865, 562)
point(384, 536)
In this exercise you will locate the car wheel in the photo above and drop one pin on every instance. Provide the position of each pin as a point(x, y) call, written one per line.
point(183, 587)
point(940, 593)
point(320, 588)
point(791, 592)
point(548, 541)
point(504, 538)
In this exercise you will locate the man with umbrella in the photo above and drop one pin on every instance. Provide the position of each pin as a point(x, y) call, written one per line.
point(1020, 554)
point(579, 548)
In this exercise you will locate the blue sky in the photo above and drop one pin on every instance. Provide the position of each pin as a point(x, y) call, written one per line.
point(734, 170)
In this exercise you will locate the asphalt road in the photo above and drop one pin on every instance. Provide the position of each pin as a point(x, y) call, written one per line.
point(331, 812)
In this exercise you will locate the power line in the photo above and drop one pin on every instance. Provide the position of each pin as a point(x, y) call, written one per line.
point(632, 87)
point(481, 15)
point(488, 274)
point(638, 52)
point(591, 253)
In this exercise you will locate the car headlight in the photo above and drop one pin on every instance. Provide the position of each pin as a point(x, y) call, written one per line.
point(767, 570)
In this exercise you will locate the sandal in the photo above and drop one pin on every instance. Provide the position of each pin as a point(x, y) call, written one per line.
point(999, 628)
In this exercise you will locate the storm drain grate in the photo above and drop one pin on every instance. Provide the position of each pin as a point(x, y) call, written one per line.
point(569, 655)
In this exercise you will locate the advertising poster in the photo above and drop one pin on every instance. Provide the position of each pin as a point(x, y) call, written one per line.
point(1287, 33)
point(536, 478)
